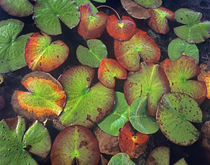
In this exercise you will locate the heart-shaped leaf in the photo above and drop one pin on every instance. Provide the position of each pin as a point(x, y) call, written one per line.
point(91, 25)
point(92, 55)
point(85, 104)
point(178, 47)
point(16, 143)
point(42, 55)
point(139, 118)
point(149, 81)
point(121, 159)
point(48, 12)
point(121, 30)
point(176, 112)
point(12, 48)
point(179, 74)
point(45, 97)
point(118, 116)
point(128, 52)
point(75, 144)
point(108, 70)
point(149, 3)
point(19, 8)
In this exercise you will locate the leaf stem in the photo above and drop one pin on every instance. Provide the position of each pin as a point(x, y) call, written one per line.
point(111, 9)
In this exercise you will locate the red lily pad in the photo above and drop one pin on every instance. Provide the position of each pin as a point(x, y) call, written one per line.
point(179, 74)
point(131, 142)
point(128, 53)
point(91, 26)
point(75, 145)
point(108, 70)
point(159, 20)
point(121, 30)
point(42, 55)
point(45, 97)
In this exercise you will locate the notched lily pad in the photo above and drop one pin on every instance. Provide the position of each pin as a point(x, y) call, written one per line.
point(175, 115)
point(149, 3)
point(121, 159)
point(42, 55)
point(75, 145)
point(45, 97)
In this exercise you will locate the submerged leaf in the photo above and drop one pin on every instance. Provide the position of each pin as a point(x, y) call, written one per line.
point(149, 3)
point(121, 159)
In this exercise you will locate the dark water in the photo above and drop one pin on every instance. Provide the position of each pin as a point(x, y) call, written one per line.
point(195, 154)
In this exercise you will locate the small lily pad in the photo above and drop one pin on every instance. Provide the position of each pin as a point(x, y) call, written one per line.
point(86, 104)
point(16, 144)
point(149, 3)
point(121, 159)
point(139, 118)
point(181, 162)
point(108, 70)
point(47, 14)
point(128, 53)
point(175, 115)
point(45, 97)
point(75, 144)
point(92, 55)
point(19, 8)
point(115, 120)
point(178, 47)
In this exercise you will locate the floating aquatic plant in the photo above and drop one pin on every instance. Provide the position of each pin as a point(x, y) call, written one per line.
point(149, 3)
point(121, 159)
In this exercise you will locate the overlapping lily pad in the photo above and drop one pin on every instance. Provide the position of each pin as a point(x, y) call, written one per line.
point(149, 81)
point(42, 55)
point(82, 2)
point(92, 55)
point(45, 97)
point(149, 3)
point(12, 48)
point(175, 115)
point(16, 144)
point(86, 104)
point(75, 145)
point(128, 53)
point(121, 159)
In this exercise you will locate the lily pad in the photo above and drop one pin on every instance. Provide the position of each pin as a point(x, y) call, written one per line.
point(175, 115)
point(100, 1)
point(42, 55)
point(121, 159)
point(149, 81)
point(47, 14)
point(82, 2)
point(19, 8)
point(128, 53)
point(12, 48)
point(45, 97)
point(178, 47)
point(75, 145)
point(92, 55)
point(180, 73)
point(115, 120)
point(181, 162)
point(109, 69)
point(139, 118)
point(86, 104)
point(16, 144)
point(149, 3)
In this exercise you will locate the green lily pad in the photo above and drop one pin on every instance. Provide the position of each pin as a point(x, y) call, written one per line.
point(118, 116)
point(48, 12)
point(175, 115)
point(100, 1)
point(16, 144)
point(139, 118)
point(75, 144)
point(92, 55)
point(19, 8)
point(121, 159)
point(85, 104)
point(181, 162)
point(178, 47)
point(149, 3)
point(12, 48)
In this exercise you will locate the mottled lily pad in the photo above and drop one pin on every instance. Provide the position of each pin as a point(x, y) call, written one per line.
point(16, 144)
point(75, 145)
point(128, 53)
point(86, 104)
point(12, 48)
point(92, 55)
point(108, 70)
point(121, 159)
point(175, 115)
point(47, 14)
point(149, 3)
point(45, 97)
point(117, 117)
point(149, 81)
point(42, 55)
